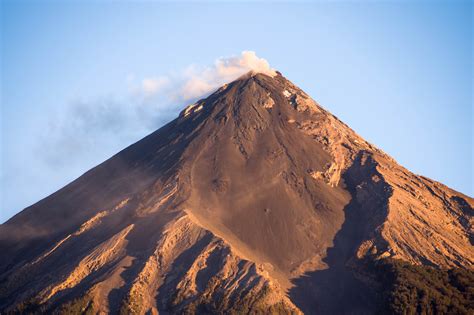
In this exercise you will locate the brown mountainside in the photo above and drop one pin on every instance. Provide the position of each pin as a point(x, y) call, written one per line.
point(255, 199)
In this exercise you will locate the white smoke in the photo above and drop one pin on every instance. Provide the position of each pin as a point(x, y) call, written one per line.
point(224, 70)
point(197, 81)
point(101, 127)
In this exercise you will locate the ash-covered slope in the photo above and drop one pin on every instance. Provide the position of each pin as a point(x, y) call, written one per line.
point(253, 199)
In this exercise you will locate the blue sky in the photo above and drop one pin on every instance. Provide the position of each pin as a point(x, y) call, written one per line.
point(398, 73)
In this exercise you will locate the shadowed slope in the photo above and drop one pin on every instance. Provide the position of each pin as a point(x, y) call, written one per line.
point(321, 292)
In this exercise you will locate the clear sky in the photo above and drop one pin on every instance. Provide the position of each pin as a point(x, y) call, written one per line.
point(75, 78)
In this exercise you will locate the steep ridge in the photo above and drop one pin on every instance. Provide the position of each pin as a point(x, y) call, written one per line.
point(255, 199)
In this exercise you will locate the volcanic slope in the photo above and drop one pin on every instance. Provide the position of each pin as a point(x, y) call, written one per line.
point(255, 199)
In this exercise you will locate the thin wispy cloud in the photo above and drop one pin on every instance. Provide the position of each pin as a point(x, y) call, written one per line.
point(152, 86)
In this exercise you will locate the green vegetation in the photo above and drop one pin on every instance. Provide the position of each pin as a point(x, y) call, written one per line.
point(82, 305)
point(26, 307)
point(412, 289)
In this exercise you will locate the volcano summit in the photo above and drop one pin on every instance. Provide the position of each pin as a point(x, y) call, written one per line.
point(254, 200)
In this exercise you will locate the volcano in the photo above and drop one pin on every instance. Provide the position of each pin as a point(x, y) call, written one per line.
point(254, 200)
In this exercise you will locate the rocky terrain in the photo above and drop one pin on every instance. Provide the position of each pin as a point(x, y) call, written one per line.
point(253, 200)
